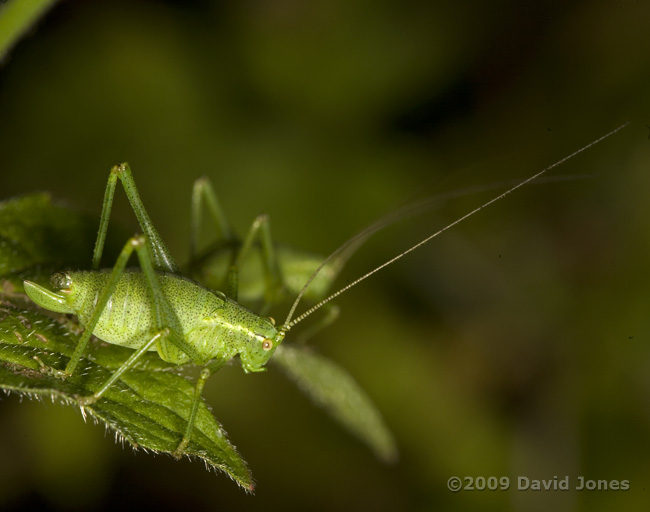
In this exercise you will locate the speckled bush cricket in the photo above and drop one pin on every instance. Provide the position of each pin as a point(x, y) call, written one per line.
point(155, 308)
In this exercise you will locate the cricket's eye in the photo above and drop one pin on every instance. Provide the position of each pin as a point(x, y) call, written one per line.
point(267, 344)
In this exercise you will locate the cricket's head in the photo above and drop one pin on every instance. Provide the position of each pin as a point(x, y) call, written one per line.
point(262, 346)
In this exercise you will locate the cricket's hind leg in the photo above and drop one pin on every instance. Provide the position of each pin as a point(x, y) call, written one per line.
point(162, 258)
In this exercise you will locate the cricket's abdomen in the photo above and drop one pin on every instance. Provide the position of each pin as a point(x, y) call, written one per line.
point(127, 319)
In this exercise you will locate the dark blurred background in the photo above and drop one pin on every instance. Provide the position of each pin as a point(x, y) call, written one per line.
point(517, 344)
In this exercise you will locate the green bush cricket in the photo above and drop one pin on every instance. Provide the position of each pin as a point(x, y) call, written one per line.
point(155, 308)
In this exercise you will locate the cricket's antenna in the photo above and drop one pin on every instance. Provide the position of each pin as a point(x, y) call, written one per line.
point(288, 324)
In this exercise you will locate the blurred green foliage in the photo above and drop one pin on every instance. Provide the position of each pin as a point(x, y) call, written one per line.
point(517, 344)
point(16, 18)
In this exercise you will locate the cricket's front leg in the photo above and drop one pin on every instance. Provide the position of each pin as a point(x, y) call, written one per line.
point(206, 372)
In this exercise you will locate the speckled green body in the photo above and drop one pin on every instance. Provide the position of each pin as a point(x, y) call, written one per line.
point(216, 326)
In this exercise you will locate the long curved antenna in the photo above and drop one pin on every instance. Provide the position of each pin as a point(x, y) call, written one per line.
point(410, 209)
point(288, 324)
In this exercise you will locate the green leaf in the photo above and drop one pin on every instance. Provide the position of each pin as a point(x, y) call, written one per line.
point(150, 404)
point(331, 387)
point(38, 237)
point(16, 18)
